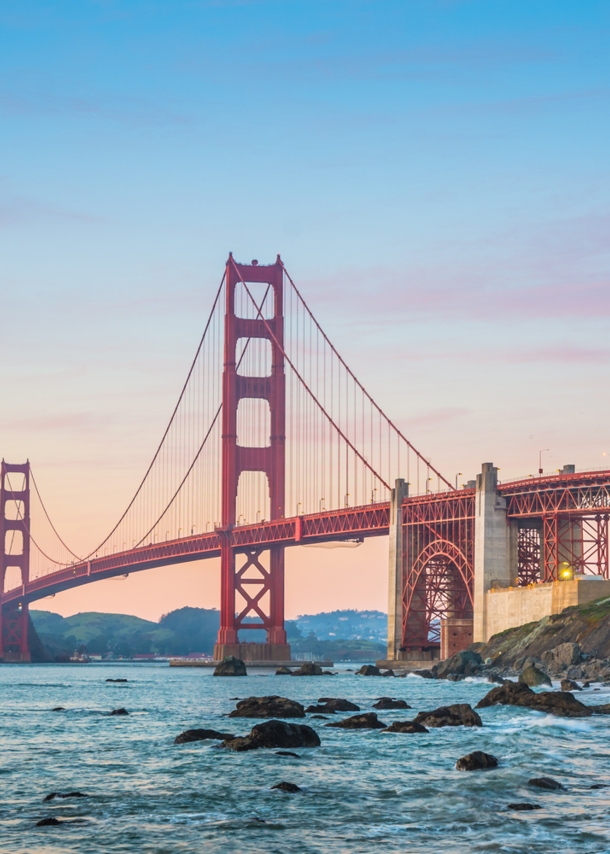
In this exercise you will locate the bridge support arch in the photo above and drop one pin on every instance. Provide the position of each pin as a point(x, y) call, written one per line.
point(430, 576)
point(15, 557)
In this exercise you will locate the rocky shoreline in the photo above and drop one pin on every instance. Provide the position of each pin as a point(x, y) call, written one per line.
point(573, 645)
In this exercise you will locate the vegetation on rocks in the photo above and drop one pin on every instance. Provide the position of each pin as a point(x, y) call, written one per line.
point(586, 625)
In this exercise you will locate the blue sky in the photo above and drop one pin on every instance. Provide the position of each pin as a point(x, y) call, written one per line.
point(435, 175)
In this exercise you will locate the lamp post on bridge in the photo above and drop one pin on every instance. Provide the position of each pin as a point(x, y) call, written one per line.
point(543, 451)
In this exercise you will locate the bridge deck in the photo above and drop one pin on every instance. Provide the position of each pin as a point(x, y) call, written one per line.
point(564, 494)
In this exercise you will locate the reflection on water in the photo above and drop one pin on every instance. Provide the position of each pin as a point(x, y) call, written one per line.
point(363, 791)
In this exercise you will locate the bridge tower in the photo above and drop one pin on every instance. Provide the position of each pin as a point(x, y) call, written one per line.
point(258, 581)
point(14, 554)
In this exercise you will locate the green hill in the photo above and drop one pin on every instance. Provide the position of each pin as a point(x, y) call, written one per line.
point(189, 630)
point(178, 633)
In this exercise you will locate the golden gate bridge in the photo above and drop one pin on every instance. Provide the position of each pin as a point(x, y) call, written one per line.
point(274, 443)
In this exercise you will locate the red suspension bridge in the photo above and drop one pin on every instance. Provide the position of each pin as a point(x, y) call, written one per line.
point(274, 443)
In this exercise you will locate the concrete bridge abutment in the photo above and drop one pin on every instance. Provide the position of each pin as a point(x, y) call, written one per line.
point(495, 546)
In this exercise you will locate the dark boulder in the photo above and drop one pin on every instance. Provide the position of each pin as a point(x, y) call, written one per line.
point(231, 666)
point(309, 669)
point(268, 707)
point(48, 822)
point(545, 783)
point(476, 761)
point(458, 714)
point(54, 795)
point(275, 734)
point(368, 670)
point(603, 709)
point(338, 704)
point(201, 735)
point(388, 673)
point(320, 717)
point(518, 694)
point(58, 709)
point(291, 788)
point(368, 720)
point(283, 671)
point(465, 663)
point(570, 685)
point(287, 753)
point(533, 677)
point(524, 806)
point(427, 673)
point(320, 709)
point(119, 712)
point(405, 726)
point(389, 703)
point(116, 680)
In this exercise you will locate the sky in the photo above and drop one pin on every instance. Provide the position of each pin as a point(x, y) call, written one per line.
point(435, 175)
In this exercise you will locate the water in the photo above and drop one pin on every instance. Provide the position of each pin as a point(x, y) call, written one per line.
point(363, 791)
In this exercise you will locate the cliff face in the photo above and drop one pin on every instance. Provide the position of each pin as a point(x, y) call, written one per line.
point(587, 625)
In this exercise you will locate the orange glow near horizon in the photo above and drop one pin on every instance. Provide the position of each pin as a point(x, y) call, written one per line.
point(317, 580)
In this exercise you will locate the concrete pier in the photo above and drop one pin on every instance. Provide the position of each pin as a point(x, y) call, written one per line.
point(395, 569)
point(495, 546)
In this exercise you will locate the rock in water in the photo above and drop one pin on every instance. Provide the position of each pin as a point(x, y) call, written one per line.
point(458, 714)
point(518, 694)
point(389, 703)
point(291, 788)
point(231, 666)
point(533, 676)
point(268, 707)
point(275, 734)
point(309, 669)
point(604, 709)
point(570, 685)
point(476, 761)
point(287, 753)
point(368, 720)
point(325, 710)
point(368, 670)
point(545, 783)
point(405, 726)
point(58, 709)
point(201, 735)
point(338, 704)
point(119, 712)
point(48, 822)
point(462, 663)
point(116, 680)
point(524, 806)
point(426, 674)
point(283, 671)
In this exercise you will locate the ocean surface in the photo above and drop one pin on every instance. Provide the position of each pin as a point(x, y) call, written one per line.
point(363, 791)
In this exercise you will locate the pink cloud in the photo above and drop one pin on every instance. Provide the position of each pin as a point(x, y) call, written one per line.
point(436, 416)
point(80, 422)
